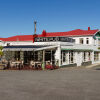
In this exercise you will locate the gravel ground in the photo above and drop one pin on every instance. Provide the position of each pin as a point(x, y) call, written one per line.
point(61, 84)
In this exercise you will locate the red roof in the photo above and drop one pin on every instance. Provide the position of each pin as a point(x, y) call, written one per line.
point(72, 33)
point(18, 38)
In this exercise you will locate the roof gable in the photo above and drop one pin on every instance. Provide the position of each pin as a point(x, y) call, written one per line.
point(97, 34)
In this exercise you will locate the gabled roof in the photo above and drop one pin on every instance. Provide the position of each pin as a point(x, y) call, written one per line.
point(72, 33)
point(77, 32)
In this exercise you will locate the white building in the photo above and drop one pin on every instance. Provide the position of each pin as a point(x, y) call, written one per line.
point(72, 48)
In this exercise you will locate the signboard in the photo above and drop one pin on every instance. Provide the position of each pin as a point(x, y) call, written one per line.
point(53, 39)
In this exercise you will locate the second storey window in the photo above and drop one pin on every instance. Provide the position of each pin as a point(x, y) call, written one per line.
point(81, 40)
point(87, 40)
point(98, 42)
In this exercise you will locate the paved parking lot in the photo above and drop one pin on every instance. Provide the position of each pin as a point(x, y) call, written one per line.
point(61, 84)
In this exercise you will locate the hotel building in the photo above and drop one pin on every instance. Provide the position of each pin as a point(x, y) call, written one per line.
point(72, 48)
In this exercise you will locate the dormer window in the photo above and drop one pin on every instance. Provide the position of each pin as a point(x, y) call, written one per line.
point(87, 40)
point(81, 40)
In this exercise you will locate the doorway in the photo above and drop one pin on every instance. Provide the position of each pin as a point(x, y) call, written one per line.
point(50, 56)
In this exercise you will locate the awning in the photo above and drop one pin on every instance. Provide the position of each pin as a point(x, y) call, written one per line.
point(77, 49)
point(44, 48)
point(27, 48)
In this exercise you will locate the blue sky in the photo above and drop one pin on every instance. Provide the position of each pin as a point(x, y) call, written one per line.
point(17, 16)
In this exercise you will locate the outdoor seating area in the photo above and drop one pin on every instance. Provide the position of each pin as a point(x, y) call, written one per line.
point(29, 60)
point(20, 65)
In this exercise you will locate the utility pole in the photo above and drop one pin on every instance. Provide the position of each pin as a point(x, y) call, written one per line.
point(35, 27)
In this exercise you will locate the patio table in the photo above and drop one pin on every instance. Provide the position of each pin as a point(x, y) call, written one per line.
point(16, 63)
point(36, 64)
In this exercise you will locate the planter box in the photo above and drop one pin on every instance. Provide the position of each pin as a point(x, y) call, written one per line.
point(86, 63)
point(69, 65)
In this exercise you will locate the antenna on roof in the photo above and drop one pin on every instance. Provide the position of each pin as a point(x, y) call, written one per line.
point(35, 27)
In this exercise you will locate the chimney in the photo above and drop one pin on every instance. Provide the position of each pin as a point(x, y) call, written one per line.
point(35, 27)
point(88, 28)
point(44, 33)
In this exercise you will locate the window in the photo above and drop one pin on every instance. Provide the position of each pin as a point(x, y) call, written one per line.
point(64, 57)
point(89, 56)
point(84, 56)
point(81, 40)
point(67, 57)
point(87, 40)
point(71, 57)
point(96, 56)
point(95, 41)
point(98, 42)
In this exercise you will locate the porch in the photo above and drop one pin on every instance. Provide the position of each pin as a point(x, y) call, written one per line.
point(29, 57)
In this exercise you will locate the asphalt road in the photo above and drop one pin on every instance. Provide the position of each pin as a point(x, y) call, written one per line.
point(62, 84)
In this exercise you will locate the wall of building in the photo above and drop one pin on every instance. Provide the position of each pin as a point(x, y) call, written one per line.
point(1, 43)
point(77, 40)
point(92, 41)
point(79, 58)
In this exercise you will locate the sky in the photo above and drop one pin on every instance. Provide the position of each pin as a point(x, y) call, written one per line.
point(17, 16)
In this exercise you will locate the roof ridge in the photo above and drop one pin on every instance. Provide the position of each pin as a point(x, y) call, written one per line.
point(73, 30)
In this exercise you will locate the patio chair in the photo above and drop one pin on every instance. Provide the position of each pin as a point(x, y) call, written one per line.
point(32, 64)
point(39, 65)
point(12, 65)
point(22, 64)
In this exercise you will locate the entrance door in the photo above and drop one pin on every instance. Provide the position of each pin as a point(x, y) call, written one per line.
point(49, 56)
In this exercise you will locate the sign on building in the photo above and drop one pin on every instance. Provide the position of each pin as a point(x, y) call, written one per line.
point(54, 39)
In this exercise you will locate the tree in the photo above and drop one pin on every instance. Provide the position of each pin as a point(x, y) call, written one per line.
point(1, 52)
